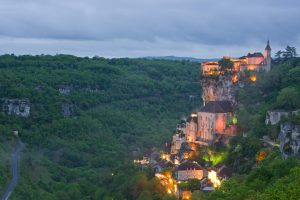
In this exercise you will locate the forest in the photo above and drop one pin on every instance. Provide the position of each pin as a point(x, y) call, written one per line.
point(121, 108)
point(118, 109)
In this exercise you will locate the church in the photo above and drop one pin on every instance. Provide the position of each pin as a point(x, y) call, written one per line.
point(252, 62)
point(214, 122)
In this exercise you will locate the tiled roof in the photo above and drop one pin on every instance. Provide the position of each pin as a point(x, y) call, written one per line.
point(256, 54)
point(217, 107)
point(189, 165)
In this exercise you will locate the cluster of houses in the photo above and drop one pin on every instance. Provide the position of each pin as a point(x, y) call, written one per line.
point(215, 123)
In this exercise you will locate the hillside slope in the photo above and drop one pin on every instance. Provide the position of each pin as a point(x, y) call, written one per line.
point(88, 118)
point(261, 171)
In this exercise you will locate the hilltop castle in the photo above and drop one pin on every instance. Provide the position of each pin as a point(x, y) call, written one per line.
point(252, 62)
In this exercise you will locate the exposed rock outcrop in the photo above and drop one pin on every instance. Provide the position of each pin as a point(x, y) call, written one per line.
point(63, 89)
point(273, 117)
point(218, 88)
point(19, 107)
point(289, 138)
point(67, 110)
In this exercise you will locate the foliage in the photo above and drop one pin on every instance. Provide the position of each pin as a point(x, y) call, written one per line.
point(122, 107)
point(274, 177)
point(225, 64)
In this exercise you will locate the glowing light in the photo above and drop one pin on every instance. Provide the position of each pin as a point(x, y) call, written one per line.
point(253, 78)
point(234, 120)
point(169, 191)
point(235, 78)
point(186, 195)
point(212, 176)
point(261, 156)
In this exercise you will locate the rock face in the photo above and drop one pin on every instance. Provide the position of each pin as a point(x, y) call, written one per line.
point(273, 117)
point(63, 89)
point(67, 110)
point(19, 107)
point(218, 88)
point(289, 138)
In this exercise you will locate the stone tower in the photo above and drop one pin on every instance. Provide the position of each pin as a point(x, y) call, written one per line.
point(267, 56)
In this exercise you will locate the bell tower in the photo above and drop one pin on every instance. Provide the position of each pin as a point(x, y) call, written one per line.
point(267, 56)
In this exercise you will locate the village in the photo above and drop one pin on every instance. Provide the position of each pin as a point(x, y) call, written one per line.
point(213, 125)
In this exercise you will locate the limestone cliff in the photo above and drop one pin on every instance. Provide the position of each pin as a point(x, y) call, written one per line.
point(19, 107)
point(289, 138)
point(218, 88)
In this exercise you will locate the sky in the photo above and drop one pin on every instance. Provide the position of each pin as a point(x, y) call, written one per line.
point(138, 28)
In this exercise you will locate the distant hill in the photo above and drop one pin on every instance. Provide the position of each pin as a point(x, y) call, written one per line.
point(176, 58)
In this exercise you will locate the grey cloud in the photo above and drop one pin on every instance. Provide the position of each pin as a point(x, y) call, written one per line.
point(160, 24)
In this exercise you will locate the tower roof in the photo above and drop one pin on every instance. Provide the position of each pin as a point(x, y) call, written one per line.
point(268, 46)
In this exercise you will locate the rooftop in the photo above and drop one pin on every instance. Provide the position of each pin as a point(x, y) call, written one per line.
point(189, 165)
point(256, 54)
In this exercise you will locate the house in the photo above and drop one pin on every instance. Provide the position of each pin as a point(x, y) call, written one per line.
point(185, 151)
point(189, 170)
point(177, 140)
point(159, 165)
point(191, 127)
point(252, 62)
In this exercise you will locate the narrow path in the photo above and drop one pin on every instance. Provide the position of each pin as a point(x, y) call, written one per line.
point(15, 171)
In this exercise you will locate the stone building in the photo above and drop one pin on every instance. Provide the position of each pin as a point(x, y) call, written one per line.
point(252, 62)
point(192, 127)
point(177, 140)
point(214, 120)
point(189, 170)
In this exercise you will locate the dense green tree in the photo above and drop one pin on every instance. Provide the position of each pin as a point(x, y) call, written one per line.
point(225, 64)
point(289, 98)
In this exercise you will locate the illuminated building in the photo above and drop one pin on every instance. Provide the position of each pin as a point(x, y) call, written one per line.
point(215, 119)
point(189, 170)
point(252, 62)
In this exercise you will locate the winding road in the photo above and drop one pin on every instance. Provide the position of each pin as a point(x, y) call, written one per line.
point(15, 170)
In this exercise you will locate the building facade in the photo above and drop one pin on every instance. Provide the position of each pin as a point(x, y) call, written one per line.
point(214, 120)
point(189, 170)
point(252, 62)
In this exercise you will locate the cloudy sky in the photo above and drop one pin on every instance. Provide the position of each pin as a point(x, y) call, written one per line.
point(136, 28)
